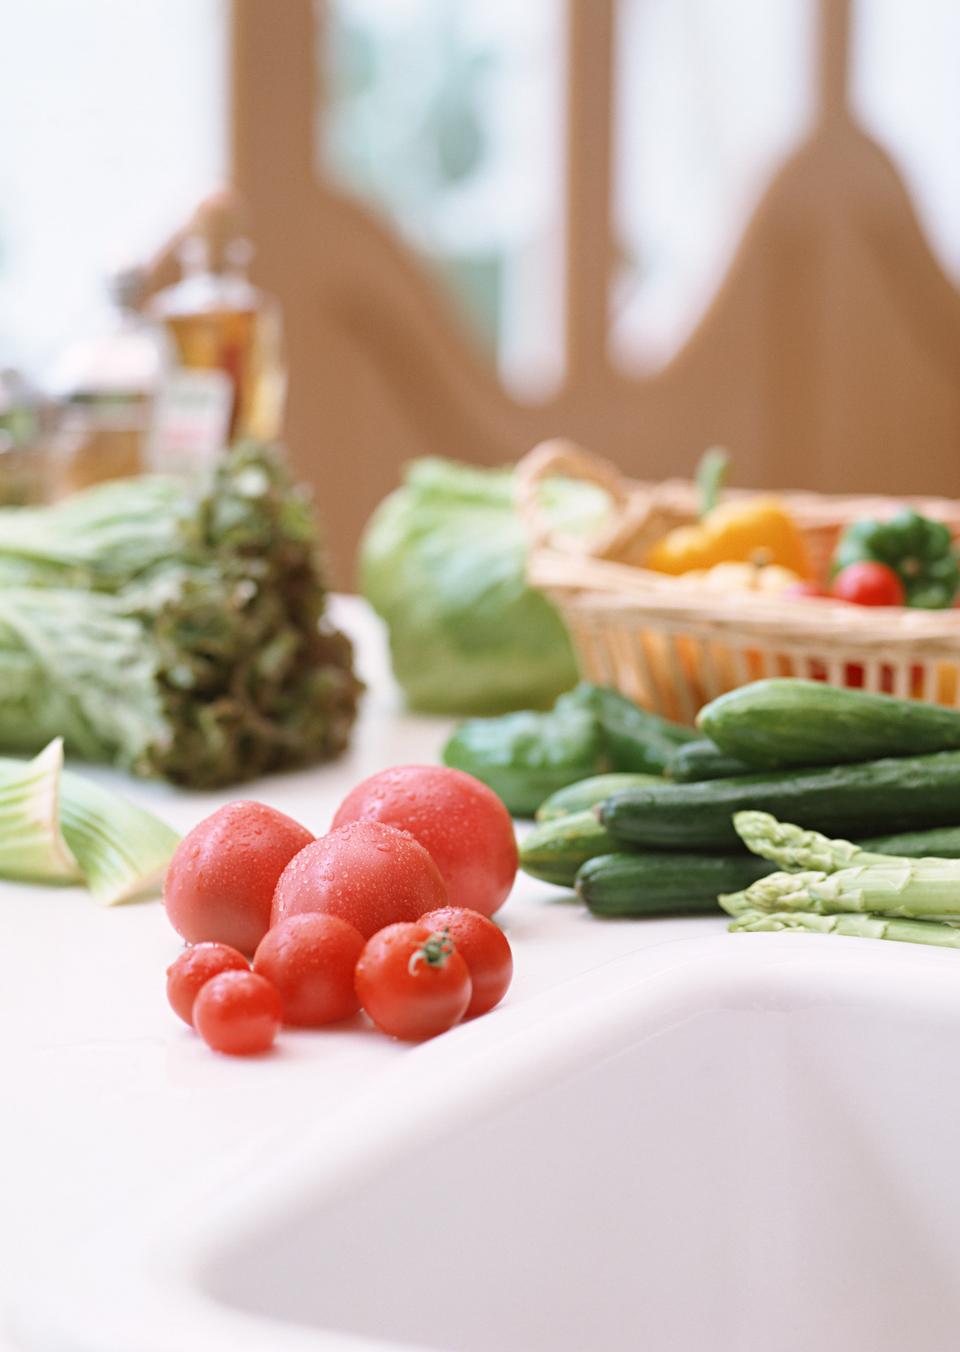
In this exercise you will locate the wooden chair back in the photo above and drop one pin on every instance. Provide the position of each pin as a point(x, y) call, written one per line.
point(828, 358)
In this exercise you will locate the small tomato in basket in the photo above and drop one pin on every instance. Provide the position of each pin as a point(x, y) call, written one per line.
point(868, 584)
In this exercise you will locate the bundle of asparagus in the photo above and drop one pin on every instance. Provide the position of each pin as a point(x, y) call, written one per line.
point(835, 887)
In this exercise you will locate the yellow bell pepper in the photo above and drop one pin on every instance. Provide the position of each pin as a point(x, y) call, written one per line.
point(756, 530)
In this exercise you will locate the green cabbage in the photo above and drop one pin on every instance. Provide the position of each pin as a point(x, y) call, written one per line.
point(442, 562)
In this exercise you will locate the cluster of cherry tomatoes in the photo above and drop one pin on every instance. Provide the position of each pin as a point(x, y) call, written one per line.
point(389, 912)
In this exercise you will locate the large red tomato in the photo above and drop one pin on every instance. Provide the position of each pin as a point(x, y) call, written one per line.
point(221, 879)
point(367, 873)
point(461, 822)
point(310, 960)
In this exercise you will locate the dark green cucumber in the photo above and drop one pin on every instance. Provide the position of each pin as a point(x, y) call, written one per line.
point(665, 884)
point(852, 801)
point(779, 723)
point(587, 793)
point(941, 843)
point(703, 759)
point(555, 850)
point(634, 739)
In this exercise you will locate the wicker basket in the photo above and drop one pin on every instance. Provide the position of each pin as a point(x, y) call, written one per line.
point(672, 647)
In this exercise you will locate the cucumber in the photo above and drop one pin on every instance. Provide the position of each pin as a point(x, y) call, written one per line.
point(778, 723)
point(635, 739)
point(556, 849)
point(940, 843)
point(913, 792)
point(665, 884)
point(588, 792)
point(703, 759)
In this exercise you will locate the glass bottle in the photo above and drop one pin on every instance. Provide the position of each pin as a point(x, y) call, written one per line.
point(225, 378)
point(105, 387)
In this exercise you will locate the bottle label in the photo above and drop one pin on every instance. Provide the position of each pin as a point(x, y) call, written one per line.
point(190, 424)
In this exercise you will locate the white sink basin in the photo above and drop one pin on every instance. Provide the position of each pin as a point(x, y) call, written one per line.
point(718, 1145)
point(732, 1155)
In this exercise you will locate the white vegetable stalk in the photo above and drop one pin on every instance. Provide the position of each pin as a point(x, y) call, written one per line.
point(57, 827)
point(32, 846)
point(122, 849)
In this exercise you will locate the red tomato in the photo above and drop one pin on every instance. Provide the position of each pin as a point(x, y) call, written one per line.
point(461, 822)
point(412, 982)
point(483, 947)
point(193, 968)
point(310, 959)
point(367, 873)
point(868, 584)
point(222, 877)
point(238, 1013)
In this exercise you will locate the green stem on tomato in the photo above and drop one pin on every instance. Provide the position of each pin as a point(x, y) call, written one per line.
point(434, 952)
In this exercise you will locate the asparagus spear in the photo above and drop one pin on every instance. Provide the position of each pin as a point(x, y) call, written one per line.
point(843, 889)
point(785, 892)
point(914, 888)
point(793, 848)
point(858, 926)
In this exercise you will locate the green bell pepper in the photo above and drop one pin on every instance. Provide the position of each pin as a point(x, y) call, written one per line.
point(526, 757)
point(919, 551)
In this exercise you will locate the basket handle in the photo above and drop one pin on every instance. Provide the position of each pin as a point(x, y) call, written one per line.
point(558, 456)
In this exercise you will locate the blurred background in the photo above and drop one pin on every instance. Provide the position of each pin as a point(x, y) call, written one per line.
point(649, 225)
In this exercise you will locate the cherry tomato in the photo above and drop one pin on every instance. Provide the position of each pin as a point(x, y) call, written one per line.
point(367, 873)
point(310, 960)
point(412, 982)
point(868, 584)
point(461, 822)
point(238, 1013)
point(221, 879)
point(193, 968)
point(483, 947)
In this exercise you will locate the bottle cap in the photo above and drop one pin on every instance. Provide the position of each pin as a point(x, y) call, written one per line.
point(220, 221)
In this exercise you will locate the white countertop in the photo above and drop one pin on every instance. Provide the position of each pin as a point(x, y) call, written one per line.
point(116, 1115)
